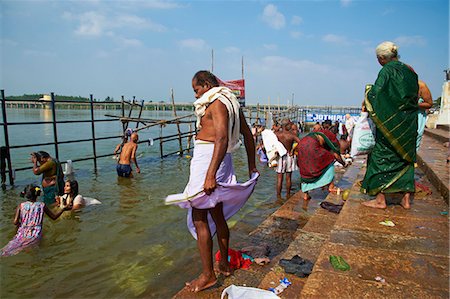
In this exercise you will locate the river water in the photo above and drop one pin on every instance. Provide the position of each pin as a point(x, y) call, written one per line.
point(131, 245)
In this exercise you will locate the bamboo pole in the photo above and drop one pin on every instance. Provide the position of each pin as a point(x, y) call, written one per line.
point(178, 123)
point(94, 150)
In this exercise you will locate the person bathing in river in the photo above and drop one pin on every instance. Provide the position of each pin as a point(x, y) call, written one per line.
point(127, 155)
point(52, 175)
point(28, 219)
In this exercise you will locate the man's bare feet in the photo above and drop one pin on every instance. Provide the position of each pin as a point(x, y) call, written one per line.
point(405, 201)
point(225, 270)
point(201, 283)
point(374, 203)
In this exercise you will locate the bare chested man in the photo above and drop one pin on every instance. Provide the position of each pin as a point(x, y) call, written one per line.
point(127, 155)
point(221, 123)
point(286, 163)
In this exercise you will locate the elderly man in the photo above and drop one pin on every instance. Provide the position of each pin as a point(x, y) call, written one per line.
point(127, 155)
point(214, 195)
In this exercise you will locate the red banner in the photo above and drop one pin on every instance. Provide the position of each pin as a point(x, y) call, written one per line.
point(237, 87)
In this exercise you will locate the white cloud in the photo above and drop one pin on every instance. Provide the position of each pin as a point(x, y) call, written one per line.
point(346, 3)
point(94, 24)
point(415, 40)
point(335, 39)
point(296, 34)
point(232, 50)
point(38, 53)
point(157, 4)
point(281, 63)
point(270, 47)
point(129, 42)
point(296, 20)
point(273, 17)
point(195, 44)
point(91, 24)
point(388, 11)
point(4, 42)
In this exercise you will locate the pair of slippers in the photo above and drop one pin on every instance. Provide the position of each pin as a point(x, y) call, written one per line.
point(297, 266)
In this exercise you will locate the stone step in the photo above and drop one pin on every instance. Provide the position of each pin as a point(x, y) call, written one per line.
point(412, 256)
point(278, 230)
point(432, 159)
point(310, 238)
point(444, 127)
point(440, 134)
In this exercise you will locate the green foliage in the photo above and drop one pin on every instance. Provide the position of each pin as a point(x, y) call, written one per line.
point(339, 263)
point(35, 97)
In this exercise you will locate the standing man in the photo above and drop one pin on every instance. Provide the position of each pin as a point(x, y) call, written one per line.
point(127, 155)
point(220, 122)
point(286, 163)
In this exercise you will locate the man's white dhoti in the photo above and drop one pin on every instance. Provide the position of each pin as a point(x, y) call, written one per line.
point(232, 194)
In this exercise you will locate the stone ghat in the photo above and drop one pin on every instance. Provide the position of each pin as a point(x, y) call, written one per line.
point(411, 258)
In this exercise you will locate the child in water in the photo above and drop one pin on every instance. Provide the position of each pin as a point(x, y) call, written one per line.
point(29, 217)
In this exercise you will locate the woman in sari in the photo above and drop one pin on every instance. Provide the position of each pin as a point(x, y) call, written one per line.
point(392, 105)
point(52, 175)
point(317, 153)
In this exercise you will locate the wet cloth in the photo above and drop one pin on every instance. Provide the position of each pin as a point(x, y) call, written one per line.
point(421, 121)
point(30, 230)
point(237, 259)
point(232, 194)
point(297, 266)
point(53, 179)
point(286, 163)
point(315, 161)
point(226, 96)
point(262, 155)
point(331, 207)
point(123, 170)
point(49, 194)
point(325, 179)
point(392, 105)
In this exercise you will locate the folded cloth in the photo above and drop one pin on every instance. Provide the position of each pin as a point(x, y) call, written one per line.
point(232, 194)
point(297, 266)
point(331, 207)
point(226, 96)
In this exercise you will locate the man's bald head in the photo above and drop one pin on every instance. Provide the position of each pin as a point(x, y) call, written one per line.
point(135, 137)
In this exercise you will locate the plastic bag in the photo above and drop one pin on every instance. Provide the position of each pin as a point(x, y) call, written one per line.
point(363, 139)
point(238, 292)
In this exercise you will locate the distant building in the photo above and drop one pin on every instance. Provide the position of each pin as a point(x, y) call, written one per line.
point(46, 98)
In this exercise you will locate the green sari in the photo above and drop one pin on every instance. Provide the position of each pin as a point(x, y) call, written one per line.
point(392, 105)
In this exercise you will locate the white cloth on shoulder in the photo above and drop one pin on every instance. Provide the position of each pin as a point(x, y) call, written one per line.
point(228, 191)
point(225, 95)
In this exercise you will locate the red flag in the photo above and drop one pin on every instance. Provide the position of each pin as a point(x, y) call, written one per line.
point(237, 87)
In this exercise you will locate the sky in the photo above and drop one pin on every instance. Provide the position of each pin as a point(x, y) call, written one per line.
point(314, 52)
